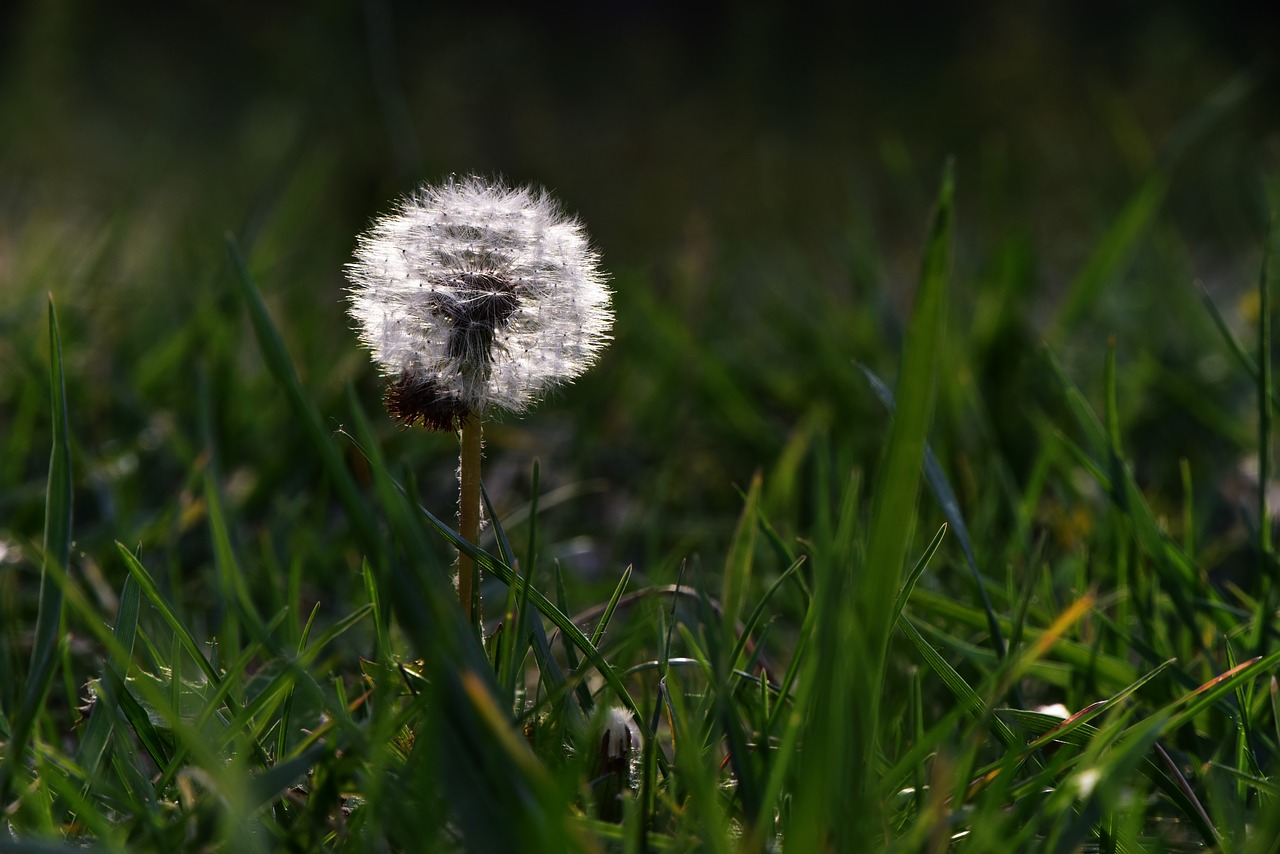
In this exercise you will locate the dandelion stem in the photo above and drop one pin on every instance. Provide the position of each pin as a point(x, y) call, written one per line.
point(472, 438)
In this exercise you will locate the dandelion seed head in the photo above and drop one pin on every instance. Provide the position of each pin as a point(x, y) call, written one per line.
point(473, 294)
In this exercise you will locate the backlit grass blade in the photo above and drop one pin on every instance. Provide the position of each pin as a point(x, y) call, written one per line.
point(513, 642)
point(182, 634)
point(893, 502)
point(748, 627)
point(1152, 766)
point(1082, 717)
point(382, 632)
point(268, 785)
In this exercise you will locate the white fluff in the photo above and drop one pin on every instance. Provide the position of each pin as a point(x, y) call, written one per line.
point(508, 265)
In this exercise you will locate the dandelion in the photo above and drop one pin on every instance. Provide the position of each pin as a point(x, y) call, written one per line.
point(474, 296)
point(616, 763)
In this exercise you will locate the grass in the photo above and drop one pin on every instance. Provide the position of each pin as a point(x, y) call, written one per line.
point(836, 566)
point(894, 710)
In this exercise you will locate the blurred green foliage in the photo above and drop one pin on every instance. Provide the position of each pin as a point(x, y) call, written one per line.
point(757, 181)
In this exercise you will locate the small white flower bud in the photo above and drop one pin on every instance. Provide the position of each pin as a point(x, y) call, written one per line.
point(617, 762)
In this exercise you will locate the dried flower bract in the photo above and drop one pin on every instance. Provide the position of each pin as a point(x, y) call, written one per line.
point(474, 295)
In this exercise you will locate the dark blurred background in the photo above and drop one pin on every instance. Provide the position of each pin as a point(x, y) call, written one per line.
point(758, 179)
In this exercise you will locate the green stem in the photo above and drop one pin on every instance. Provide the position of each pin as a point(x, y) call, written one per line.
point(472, 439)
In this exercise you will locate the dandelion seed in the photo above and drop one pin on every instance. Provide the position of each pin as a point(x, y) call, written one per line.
point(474, 295)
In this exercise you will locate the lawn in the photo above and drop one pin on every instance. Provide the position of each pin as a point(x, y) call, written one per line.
point(923, 497)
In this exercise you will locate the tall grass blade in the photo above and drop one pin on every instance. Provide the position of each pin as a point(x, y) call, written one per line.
point(737, 565)
point(837, 801)
point(57, 551)
point(281, 367)
point(102, 718)
point(936, 478)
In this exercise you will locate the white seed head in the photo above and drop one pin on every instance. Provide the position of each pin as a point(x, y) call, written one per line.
point(474, 294)
point(619, 735)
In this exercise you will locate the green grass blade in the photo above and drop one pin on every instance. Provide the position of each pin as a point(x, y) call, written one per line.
point(909, 584)
point(757, 614)
point(968, 698)
point(101, 720)
point(893, 502)
point(269, 784)
point(382, 633)
point(182, 634)
point(57, 551)
point(1152, 768)
point(281, 367)
point(544, 605)
point(737, 565)
point(837, 802)
point(610, 607)
point(936, 478)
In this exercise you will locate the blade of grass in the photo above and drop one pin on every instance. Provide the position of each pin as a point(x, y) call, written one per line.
point(737, 565)
point(102, 719)
point(56, 552)
point(909, 584)
point(182, 634)
point(936, 478)
point(508, 576)
point(757, 614)
point(607, 616)
point(281, 366)
point(837, 803)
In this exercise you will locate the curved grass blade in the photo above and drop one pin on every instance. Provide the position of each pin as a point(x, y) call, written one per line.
point(1153, 768)
point(960, 689)
point(186, 640)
